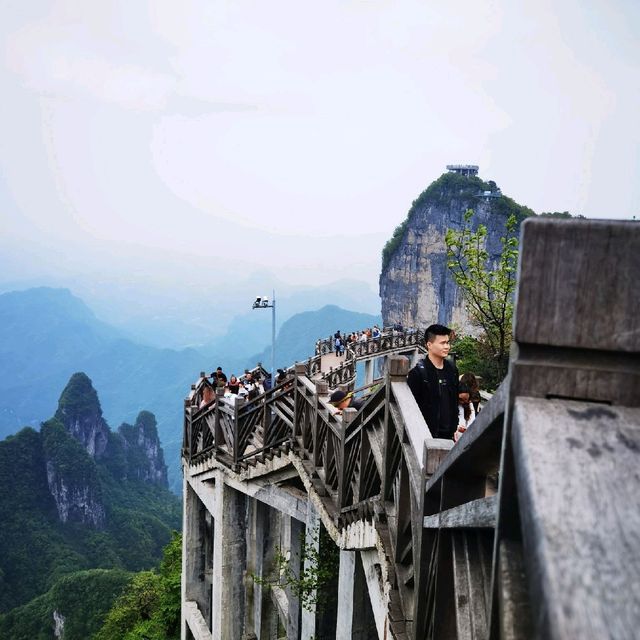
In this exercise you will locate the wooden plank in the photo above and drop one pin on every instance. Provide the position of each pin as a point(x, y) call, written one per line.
point(576, 374)
point(515, 613)
point(479, 513)
point(479, 445)
point(579, 493)
point(471, 576)
point(415, 426)
point(435, 451)
point(578, 284)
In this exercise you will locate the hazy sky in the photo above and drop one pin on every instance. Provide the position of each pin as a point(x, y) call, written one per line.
point(162, 140)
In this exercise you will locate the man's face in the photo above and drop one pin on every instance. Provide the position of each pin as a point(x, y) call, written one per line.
point(439, 347)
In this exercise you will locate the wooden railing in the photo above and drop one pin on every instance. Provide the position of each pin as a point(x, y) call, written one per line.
point(499, 536)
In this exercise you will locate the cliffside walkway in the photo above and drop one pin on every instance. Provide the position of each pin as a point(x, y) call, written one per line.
point(529, 527)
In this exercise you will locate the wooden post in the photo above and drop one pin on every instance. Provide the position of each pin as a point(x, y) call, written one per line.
point(236, 429)
point(348, 416)
point(575, 338)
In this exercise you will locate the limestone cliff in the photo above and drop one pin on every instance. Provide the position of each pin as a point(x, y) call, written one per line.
point(145, 459)
point(80, 412)
point(78, 439)
point(72, 477)
point(416, 287)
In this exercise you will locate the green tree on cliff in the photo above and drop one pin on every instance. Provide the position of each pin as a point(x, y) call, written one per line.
point(149, 608)
point(487, 285)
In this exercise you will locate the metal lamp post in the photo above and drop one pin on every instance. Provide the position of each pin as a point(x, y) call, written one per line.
point(262, 302)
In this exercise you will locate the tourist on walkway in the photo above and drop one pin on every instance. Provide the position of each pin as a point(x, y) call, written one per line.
point(434, 384)
point(234, 385)
point(219, 378)
point(466, 412)
point(471, 381)
point(341, 401)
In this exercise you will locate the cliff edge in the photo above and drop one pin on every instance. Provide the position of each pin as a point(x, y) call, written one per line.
point(416, 287)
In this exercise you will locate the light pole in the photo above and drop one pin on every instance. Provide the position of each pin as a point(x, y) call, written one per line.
point(262, 302)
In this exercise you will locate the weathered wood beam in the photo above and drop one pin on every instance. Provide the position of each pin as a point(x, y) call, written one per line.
point(579, 495)
point(476, 450)
point(476, 514)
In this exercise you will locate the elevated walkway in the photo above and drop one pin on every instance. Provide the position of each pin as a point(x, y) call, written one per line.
point(526, 528)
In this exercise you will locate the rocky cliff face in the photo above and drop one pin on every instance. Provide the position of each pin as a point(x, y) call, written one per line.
point(416, 287)
point(145, 459)
point(75, 501)
point(72, 477)
point(80, 412)
point(78, 438)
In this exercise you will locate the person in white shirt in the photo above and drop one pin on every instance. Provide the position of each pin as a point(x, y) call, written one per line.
point(466, 412)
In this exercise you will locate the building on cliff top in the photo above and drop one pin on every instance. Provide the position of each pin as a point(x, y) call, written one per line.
point(468, 170)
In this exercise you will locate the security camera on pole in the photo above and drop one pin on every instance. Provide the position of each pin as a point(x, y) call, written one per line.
point(262, 302)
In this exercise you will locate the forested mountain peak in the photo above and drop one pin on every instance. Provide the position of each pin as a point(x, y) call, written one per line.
point(65, 509)
point(80, 412)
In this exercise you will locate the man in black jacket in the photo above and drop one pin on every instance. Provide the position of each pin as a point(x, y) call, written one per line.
point(434, 384)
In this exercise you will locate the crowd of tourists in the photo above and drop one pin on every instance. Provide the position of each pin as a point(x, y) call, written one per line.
point(448, 402)
point(248, 386)
point(341, 342)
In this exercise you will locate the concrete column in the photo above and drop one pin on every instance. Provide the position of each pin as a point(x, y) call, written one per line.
point(293, 537)
point(229, 562)
point(197, 542)
point(257, 533)
point(269, 615)
point(377, 598)
point(185, 537)
point(312, 540)
point(345, 595)
point(368, 371)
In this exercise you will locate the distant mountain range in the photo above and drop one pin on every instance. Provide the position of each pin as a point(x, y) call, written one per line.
point(47, 334)
point(76, 497)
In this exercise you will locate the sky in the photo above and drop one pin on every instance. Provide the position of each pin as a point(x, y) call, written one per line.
point(179, 145)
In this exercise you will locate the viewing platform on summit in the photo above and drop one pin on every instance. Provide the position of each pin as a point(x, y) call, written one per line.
point(304, 521)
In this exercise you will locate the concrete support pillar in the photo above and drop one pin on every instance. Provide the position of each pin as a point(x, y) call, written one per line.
point(294, 535)
point(185, 557)
point(346, 577)
point(229, 562)
point(196, 556)
point(368, 371)
point(257, 533)
point(377, 598)
point(312, 541)
point(269, 619)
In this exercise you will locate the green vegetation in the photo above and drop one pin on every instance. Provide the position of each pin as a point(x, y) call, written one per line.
point(37, 550)
point(560, 214)
point(78, 398)
point(488, 287)
point(474, 355)
point(319, 564)
point(82, 599)
point(149, 608)
point(106, 604)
